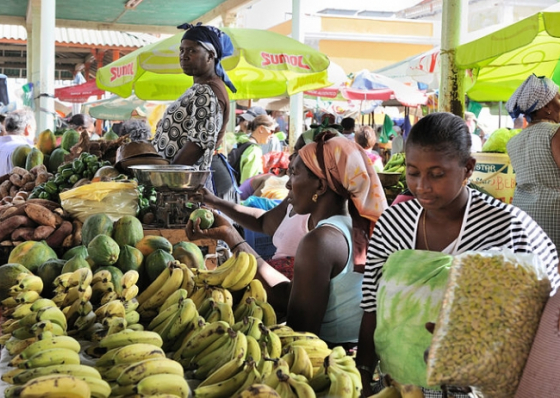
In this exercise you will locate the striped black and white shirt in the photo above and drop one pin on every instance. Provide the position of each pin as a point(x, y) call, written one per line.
point(489, 224)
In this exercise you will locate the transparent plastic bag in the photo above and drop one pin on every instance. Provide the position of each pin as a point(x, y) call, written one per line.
point(488, 320)
point(116, 199)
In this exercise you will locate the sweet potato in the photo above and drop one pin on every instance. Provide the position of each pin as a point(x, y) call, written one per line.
point(49, 204)
point(17, 180)
point(12, 211)
point(7, 200)
point(68, 241)
point(28, 186)
point(23, 234)
point(58, 236)
point(11, 224)
point(14, 190)
point(5, 188)
point(42, 177)
point(41, 215)
point(42, 232)
point(77, 232)
point(38, 169)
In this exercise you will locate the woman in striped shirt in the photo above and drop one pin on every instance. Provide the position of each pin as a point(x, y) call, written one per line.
point(445, 216)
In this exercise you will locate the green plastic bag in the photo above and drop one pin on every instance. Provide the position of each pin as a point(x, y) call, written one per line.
point(410, 294)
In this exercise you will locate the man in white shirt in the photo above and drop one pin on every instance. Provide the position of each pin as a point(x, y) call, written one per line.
point(476, 141)
point(20, 129)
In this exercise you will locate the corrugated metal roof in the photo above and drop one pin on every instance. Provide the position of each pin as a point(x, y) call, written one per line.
point(91, 37)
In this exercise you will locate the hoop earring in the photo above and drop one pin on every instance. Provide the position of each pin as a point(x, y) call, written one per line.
point(315, 197)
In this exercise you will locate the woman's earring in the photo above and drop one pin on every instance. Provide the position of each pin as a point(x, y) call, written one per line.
point(548, 113)
point(315, 197)
point(465, 182)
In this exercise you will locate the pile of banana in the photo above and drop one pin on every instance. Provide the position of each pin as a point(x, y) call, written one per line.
point(234, 274)
point(135, 363)
point(51, 355)
point(26, 291)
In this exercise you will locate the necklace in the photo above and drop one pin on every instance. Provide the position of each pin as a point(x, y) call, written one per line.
point(424, 230)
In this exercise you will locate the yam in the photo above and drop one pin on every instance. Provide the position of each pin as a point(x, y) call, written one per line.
point(41, 215)
point(22, 194)
point(11, 224)
point(49, 204)
point(58, 236)
point(28, 186)
point(42, 232)
point(42, 177)
point(5, 188)
point(14, 190)
point(38, 169)
point(77, 232)
point(23, 234)
point(7, 200)
point(19, 171)
point(18, 200)
point(17, 180)
point(12, 211)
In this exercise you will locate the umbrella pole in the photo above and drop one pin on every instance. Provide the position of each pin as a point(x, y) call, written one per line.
point(500, 114)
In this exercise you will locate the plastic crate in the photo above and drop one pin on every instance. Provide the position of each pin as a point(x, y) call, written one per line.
point(262, 243)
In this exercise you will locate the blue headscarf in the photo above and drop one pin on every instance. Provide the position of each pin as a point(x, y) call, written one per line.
point(214, 39)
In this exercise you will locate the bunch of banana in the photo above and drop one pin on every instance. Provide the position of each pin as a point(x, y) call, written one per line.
point(299, 362)
point(129, 336)
point(42, 316)
point(229, 380)
point(344, 377)
point(27, 290)
point(249, 326)
point(151, 299)
point(289, 385)
point(174, 320)
point(178, 347)
point(55, 385)
point(188, 279)
point(234, 274)
point(250, 307)
point(258, 391)
point(316, 349)
point(288, 335)
point(217, 293)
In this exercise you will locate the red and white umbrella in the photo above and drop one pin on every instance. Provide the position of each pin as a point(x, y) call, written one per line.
point(79, 93)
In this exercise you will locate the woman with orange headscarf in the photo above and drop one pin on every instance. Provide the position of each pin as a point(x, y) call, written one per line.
point(333, 181)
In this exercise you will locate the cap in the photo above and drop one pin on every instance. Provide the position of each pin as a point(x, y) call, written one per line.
point(253, 112)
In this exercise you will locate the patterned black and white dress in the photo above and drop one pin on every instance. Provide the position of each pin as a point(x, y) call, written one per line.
point(196, 117)
point(488, 224)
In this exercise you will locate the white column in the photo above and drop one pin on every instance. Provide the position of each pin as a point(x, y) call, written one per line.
point(43, 15)
point(452, 92)
point(296, 100)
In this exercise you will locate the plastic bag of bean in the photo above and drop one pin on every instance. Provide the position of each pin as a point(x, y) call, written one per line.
point(489, 316)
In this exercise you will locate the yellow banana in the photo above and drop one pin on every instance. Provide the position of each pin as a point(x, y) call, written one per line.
point(302, 364)
point(187, 315)
point(84, 322)
point(53, 342)
point(31, 282)
point(203, 338)
point(225, 312)
point(272, 341)
point(269, 315)
point(228, 387)
point(114, 324)
point(248, 275)
point(74, 370)
point(131, 305)
point(171, 284)
point(16, 346)
point(215, 277)
point(341, 384)
point(85, 308)
point(129, 279)
point(81, 277)
point(129, 293)
point(99, 388)
point(174, 298)
point(163, 316)
point(52, 314)
point(102, 276)
point(135, 353)
point(29, 296)
point(132, 317)
point(106, 359)
point(154, 366)
point(72, 295)
point(155, 285)
point(109, 296)
point(58, 385)
point(253, 349)
point(255, 289)
point(226, 371)
point(131, 337)
point(63, 280)
point(164, 384)
point(237, 271)
point(188, 279)
point(113, 372)
point(53, 356)
point(9, 376)
point(259, 390)
point(301, 388)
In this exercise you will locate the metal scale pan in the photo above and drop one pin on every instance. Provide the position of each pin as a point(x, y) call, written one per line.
point(171, 177)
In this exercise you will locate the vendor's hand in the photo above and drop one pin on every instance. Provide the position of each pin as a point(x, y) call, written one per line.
point(221, 229)
point(203, 195)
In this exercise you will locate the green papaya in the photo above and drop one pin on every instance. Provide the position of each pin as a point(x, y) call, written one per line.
point(130, 258)
point(75, 251)
point(46, 142)
point(189, 253)
point(96, 224)
point(156, 262)
point(103, 250)
point(110, 135)
point(8, 277)
point(19, 155)
point(69, 139)
point(31, 254)
point(150, 243)
point(75, 263)
point(56, 159)
point(48, 271)
point(34, 158)
point(128, 230)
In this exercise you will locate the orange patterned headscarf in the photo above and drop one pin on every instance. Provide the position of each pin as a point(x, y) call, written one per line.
point(349, 172)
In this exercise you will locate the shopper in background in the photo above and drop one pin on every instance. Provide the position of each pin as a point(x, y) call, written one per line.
point(83, 122)
point(137, 130)
point(366, 138)
point(348, 125)
point(476, 141)
point(20, 128)
point(535, 153)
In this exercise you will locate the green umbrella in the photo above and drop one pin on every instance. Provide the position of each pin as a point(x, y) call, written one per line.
point(264, 64)
point(502, 60)
point(114, 108)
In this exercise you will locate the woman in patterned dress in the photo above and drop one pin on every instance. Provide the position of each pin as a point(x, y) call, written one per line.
point(444, 216)
point(535, 153)
point(194, 125)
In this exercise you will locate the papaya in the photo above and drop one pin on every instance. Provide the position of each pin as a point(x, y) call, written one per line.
point(31, 254)
point(156, 262)
point(189, 253)
point(75, 251)
point(103, 250)
point(34, 158)
point(19, 156)
point(151, 243)
point(110, 135)
point(116, 276)
point(69, 139)
point(130, 258)
point(56, 159)
point(46, 142)
point(48, 271)
point(94, 225)
point(128, 230)
point(75, 263)
point(205, 216)
point(8, 277)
